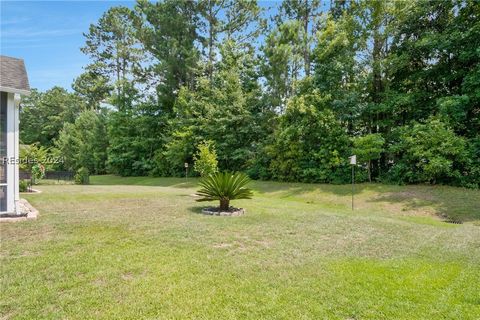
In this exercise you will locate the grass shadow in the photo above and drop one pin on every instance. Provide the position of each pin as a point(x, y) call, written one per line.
point(196, 209)
point(452, 203)
point(297, 188)
point(449, 203)
point(144, 181)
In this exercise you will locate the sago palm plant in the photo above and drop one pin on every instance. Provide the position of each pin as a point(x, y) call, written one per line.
point(224, 186)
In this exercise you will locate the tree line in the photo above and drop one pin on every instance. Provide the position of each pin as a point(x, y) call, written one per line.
point(284, 93)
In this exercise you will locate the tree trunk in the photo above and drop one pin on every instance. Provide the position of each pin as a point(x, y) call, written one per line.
point(369, 170)
point(210, 42)
point(378, 86)
point(210, 55)
point(224, 204)
point(306, 53)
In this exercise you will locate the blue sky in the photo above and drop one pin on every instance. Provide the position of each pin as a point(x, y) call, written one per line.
point(48, 36)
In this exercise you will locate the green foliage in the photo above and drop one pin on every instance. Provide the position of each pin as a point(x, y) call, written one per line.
point(33, 154)
point(206, 162)
point(82, 176)
point(168, 32)
point(44, 114)
point(38, 172)
point(435, 60)
point(367, 148)
point(288, 48)
point(93, 88)
point(335, 56)
point(471, 172)
point(238, 21)
point(310, 144)
point(114, 51)
point(24, 185)
point(84, 143)
point(280, 100)
point(217, 110)
point(224, 187)
point(132, 141)
point(117, 55)
point(178, 149)
point(282, 62)
point(429, 152)
point(258, 167)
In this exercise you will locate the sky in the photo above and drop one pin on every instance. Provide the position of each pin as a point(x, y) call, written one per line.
point(48, 35)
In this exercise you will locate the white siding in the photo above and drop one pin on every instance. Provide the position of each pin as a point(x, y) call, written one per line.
point(12, 154)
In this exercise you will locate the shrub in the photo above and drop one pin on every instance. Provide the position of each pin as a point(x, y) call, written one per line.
point(38, 172)
point(206, 162)
point(471, 174)
point(24, 185)
point(224, 187)
point(429, 152)
point(33, 155)
point(82, 176)
point(258, 165)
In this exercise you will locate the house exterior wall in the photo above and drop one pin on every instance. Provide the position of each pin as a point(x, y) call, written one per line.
point(12, 154)
point(16, 152)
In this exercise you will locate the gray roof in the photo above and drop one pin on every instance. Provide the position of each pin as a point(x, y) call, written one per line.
point(13, 76)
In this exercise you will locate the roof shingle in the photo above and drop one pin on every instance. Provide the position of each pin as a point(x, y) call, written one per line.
point(13, 74)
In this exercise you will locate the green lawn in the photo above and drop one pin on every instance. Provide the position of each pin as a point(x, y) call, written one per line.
point(137, 248)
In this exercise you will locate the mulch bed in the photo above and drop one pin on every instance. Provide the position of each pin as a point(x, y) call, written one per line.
point(215, 211)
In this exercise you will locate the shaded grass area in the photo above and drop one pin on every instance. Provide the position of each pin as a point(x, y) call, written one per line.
point(450, 203)
point(136, 248)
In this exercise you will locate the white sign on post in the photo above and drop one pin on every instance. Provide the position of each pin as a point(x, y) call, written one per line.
point(353, 159)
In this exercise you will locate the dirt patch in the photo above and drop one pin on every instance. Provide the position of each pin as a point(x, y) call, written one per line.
point(222, 245)
point(127, 276)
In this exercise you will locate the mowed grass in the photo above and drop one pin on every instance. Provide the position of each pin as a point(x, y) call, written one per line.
point(137, 248)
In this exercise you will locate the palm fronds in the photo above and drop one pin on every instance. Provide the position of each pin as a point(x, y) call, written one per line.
point(224, 186)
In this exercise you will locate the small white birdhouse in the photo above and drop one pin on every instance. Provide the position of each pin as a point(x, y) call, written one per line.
point(353, 160)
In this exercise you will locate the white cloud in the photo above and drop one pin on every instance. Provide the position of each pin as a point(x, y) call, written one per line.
point(13, 21)
point(30, 33)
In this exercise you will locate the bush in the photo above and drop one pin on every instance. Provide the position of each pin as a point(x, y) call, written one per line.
point(310, 145)
point(224, 187)
point(82, 176)
point(38, 172)
point(429, 152)
point(24, 185)
point(33, 155)
point(471, 173)
point(206, 162)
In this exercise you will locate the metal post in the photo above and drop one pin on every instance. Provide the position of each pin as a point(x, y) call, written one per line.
point(353, 183)
point(353, 163)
